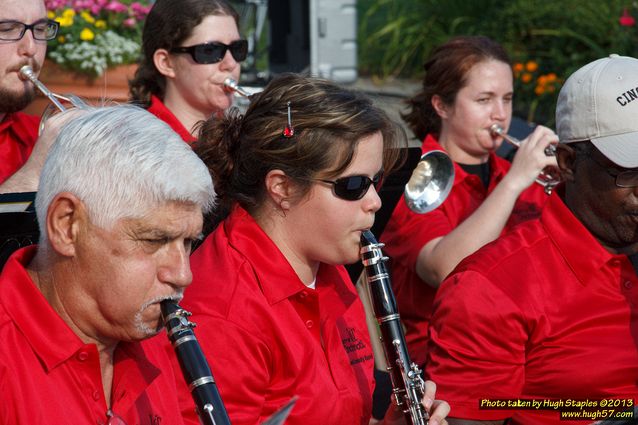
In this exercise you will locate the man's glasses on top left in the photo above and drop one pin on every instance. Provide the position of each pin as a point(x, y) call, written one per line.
point(44, 29)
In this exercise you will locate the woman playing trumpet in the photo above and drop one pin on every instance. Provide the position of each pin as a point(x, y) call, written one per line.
point(190, 47)
point(467, 88)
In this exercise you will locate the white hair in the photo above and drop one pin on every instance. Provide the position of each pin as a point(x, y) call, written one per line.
point(121, 162)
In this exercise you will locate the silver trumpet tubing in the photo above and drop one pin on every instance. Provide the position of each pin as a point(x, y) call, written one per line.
point(197, 374)
point(231, 85)
point(430, 183)
point(408, 387)
point(545, 178)
point(57, 100)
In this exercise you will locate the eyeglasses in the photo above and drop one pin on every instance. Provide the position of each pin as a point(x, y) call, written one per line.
point(627, 178)
point(214, 52)
point(353, 188)
point(44, 29)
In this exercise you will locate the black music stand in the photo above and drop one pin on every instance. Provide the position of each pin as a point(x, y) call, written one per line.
point(18, 223)
point(390, 193)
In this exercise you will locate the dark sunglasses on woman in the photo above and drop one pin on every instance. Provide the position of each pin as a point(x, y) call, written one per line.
point(353, 188)
point(214, 52)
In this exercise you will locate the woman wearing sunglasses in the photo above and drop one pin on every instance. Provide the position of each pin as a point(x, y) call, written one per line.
point(189, 48)
point(277, 314)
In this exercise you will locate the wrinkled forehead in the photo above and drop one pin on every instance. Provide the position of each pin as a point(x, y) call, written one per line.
point(26, 11)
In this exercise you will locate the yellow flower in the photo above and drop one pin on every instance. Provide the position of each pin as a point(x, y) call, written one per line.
point(100, 23)
point(87, 35)
point(531, 66)
point(61, 39)
point(65, 21)
point(68, 13)
point(50, 15)
point(87, 17)
point(526, 78)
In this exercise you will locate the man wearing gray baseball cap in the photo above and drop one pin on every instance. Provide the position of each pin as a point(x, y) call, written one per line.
point(541, 326)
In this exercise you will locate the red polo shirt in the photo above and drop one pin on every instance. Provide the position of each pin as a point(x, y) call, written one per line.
point(407, 232)
point(49, 376)
point(18, 133)
point(160, 110)
point(268, 337)
point(544, 312)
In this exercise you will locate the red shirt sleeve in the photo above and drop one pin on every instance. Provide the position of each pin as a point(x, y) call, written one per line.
point(477, 346)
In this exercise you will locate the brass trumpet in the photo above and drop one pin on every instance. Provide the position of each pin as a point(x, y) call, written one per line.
point(545, 178)
point(56, 99)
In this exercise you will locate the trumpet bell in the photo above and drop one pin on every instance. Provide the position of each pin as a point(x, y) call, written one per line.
point(430, 183)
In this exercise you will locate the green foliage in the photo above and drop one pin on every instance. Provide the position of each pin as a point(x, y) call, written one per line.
point(396, 37)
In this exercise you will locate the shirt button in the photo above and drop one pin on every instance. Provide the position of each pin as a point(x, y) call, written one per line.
point(83, 356)
point(628, 284)
point(96, 395)
point(309, 324)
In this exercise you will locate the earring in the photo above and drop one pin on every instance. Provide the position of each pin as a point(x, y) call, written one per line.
point(289, 131)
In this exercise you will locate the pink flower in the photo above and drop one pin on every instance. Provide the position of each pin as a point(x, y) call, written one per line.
point(626, 20)
point(129, 22)
point(116, 6)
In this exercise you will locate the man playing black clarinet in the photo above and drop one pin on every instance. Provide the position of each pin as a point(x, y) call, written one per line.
point(119, 204)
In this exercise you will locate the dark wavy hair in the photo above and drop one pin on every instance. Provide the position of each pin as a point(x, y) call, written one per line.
point(445, 74)
point(328, 120)
point(167, 25)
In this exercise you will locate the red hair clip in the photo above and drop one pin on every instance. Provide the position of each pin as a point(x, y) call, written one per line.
point(289, 131)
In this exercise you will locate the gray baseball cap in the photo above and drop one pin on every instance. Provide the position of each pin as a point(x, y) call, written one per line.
point(599, 102)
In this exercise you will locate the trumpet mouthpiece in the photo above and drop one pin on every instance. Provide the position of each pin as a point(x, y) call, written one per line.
point(27, 72)
point(496, 130)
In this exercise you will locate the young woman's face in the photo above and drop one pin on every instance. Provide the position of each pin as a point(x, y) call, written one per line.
point(485, 100)
point(201, 85)
point(328, 227)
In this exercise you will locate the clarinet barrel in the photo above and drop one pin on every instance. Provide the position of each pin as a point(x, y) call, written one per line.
point(210, 408)
point(408, 387)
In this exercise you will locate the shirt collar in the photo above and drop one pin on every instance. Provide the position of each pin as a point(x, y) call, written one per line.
point(498, 169)
point(276, 277)
point(49, 336)
point(160, 110)
point(583, 253)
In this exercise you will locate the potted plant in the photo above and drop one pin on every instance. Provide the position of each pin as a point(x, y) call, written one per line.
point(96, 49)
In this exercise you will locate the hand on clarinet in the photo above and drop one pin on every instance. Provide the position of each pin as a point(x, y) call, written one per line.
point(437, 409)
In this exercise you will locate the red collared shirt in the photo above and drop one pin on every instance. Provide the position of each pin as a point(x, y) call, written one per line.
point(407, 232)
point(544, 312)
point(160, 110)
point(18, 133)
point(49, 376)
point(268, 337)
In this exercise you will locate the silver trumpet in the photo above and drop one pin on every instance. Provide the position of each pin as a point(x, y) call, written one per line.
point(430, 183)
point(56, 99)
point(545, 178)
point(231, 85)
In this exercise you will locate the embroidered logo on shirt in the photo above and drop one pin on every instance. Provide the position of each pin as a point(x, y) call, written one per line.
point(352, 344)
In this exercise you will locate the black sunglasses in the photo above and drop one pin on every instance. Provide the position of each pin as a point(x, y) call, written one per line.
point(353, 188)
point(214, 52)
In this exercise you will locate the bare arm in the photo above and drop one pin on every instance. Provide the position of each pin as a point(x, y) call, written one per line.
point(440, 256)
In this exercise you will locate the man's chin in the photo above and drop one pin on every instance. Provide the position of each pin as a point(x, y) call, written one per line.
point(14, 102)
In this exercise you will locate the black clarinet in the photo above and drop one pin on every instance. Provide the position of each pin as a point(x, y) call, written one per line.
point(407, 385)
point(210, 408)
